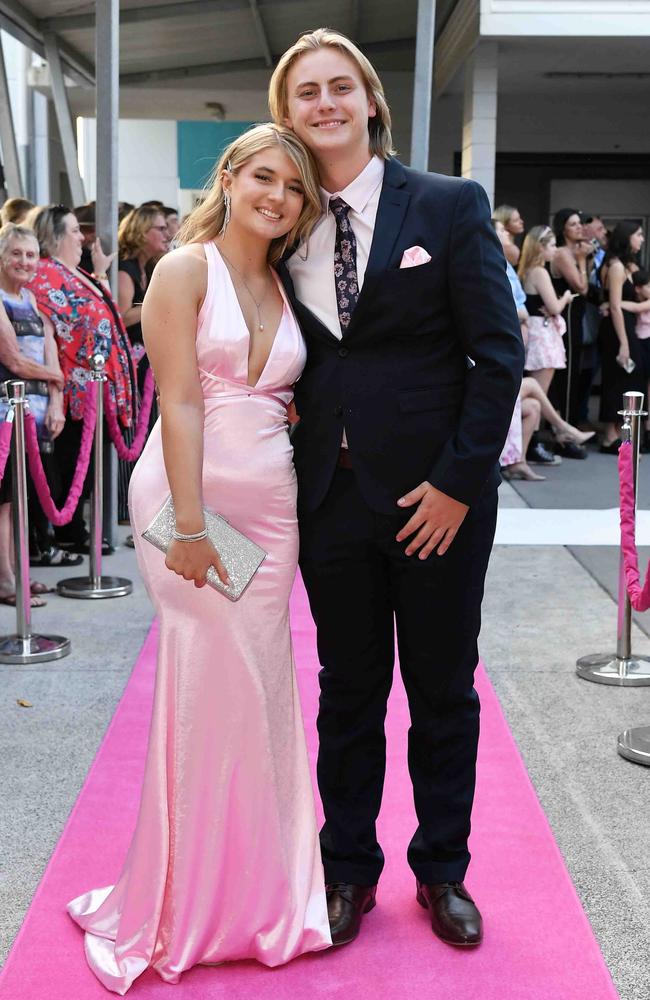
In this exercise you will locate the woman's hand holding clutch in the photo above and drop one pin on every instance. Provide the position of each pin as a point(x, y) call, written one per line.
point(191, 560)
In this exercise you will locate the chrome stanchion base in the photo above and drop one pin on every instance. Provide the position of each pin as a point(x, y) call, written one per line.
point(35, 649)
point(83, 587)
point(608, 668)
point(634, 745)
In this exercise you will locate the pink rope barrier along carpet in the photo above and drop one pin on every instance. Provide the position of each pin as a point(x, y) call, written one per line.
point(126, 453)
point(5, 445)
point(639, 596)
point(53, 514)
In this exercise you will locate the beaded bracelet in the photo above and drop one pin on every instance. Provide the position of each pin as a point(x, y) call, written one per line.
point(196, 537)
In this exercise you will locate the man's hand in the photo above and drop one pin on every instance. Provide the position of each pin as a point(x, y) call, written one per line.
point(435, 522)
point(292, 413)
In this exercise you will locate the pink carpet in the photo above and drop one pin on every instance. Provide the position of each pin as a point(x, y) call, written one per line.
point(538, 943)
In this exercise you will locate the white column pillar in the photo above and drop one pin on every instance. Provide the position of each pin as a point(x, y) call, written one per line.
point(423, 84)
point(107, 63)
point(41, 194)
point(480, 116)
point(10, 159)
point(87, 142)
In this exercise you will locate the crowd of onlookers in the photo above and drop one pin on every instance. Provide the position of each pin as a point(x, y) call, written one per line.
point(57, 311)
point(583, 302)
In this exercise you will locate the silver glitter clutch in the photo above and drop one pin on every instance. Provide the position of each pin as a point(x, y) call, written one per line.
point(241, 557)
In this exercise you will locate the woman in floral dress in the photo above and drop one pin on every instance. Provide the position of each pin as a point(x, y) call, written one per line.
point(86, 322)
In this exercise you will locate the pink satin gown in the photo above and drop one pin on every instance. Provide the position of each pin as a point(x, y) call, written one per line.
point(224, 863)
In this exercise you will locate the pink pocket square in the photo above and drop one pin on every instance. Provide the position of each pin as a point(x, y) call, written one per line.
point(414, 256)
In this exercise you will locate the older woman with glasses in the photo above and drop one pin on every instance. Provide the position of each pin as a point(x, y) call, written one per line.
point(143, 236)
point(27, 352)
point(86, 322)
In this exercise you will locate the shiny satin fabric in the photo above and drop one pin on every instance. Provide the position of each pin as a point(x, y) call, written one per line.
point(224, 863)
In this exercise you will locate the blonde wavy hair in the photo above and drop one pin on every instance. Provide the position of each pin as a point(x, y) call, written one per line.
point(379, 127)
point(206, 221)
point(504, 213)
point(532, 251)
point(15, 210)
point(48, 224)
point(133, 229)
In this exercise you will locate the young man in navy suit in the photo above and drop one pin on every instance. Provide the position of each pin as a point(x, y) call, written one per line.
point(414, 364)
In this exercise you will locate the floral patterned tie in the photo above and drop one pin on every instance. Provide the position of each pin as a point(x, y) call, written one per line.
point(345, 263)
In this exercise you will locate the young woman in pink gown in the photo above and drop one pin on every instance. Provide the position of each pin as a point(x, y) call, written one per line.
point(224, 863)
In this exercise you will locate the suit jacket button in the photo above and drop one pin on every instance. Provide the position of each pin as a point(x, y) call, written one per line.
point(338, 411)
point(343, 352)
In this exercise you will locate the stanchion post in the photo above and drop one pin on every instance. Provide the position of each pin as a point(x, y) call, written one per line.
point(634, 744)
point(95, 585)
point(97, 498)
point(622, 668)
point(20, 515)
point(24, 646)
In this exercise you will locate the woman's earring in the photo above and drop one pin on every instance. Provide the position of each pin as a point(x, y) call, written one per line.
point(226, 214)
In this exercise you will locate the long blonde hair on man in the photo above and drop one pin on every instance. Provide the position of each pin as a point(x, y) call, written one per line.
point(379, 127)
point(532, 251)
point(206, 221)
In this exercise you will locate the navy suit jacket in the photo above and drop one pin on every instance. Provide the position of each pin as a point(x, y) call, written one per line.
point(400, 381)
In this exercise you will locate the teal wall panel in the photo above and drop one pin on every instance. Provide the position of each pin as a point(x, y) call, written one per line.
point(200, 144)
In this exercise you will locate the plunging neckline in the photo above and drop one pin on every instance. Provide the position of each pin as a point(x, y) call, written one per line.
point(254, 385)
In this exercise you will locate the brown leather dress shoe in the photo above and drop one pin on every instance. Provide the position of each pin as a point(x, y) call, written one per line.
point(346, 905)
point(455, 917)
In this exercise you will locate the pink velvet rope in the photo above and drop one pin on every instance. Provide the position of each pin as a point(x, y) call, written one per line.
point(126, 453)
point(63, 516)
point(639, 597)
point(5, 445)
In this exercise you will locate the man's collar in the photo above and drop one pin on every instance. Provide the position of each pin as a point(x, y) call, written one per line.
point(359, 191)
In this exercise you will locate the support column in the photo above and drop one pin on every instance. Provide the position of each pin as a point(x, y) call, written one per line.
point(40, 194)
point(480, 116)
point(10, 162)
point(423, 84)
point(107, 60)
point(64, 119)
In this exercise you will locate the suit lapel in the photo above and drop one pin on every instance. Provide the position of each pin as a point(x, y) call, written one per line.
point(393, 203)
